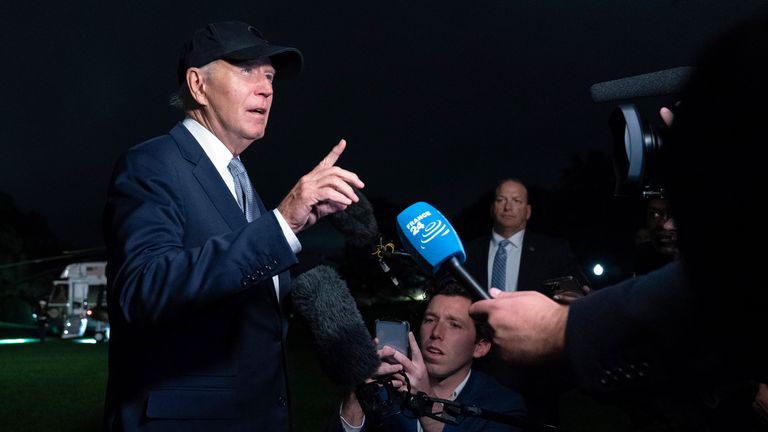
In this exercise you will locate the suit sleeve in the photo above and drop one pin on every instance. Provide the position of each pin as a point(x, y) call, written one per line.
point(634, 335)
point(155, 274)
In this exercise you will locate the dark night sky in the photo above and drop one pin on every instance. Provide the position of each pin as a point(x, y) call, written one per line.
point(436, 99)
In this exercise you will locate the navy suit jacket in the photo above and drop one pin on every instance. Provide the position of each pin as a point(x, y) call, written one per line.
point(481, 391)
point(542, 258)
point(197, 332)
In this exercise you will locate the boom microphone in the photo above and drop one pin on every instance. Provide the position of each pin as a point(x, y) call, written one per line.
point(433, 243)
point(341, 340)
point(659, 83)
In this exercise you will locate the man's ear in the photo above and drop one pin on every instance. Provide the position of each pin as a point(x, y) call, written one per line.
point(482, 347)
point(196, 85)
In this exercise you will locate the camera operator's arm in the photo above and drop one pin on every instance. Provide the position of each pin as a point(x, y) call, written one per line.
point(528, 326)
point(637, 334)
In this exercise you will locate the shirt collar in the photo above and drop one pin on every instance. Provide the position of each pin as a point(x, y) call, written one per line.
point(460, 387)
point(217, 152)
point(516, 239)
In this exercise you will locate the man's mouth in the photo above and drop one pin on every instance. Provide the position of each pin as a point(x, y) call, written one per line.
point(434, 350)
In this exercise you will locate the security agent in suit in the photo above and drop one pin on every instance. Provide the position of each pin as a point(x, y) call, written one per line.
point(698, 322)
point(197, 290)
point(531, 258)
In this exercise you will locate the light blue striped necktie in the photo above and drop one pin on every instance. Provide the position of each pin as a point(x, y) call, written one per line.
point(243, 189)
point(499, 273)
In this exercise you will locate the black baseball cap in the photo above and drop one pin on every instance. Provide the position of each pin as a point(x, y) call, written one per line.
point(236, 41)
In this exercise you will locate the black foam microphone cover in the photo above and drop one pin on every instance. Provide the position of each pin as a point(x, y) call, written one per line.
point(659, 83)
point(342, 342)
point(357, 222)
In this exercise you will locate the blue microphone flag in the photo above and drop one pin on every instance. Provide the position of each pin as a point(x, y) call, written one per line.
point(429, 237)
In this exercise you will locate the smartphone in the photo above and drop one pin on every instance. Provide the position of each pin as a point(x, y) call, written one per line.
point(394, 334)
point(562, 284)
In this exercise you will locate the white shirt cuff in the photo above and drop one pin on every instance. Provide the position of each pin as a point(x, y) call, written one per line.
point(293, 241)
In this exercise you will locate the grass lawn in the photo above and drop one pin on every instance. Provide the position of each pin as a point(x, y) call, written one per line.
point(59, 385)
point(56, 386)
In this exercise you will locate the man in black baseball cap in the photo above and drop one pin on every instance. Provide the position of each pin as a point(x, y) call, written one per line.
point(198, 267)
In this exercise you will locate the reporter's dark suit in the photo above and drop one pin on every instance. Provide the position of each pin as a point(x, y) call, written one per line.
point(198, 334)
point(542, 258)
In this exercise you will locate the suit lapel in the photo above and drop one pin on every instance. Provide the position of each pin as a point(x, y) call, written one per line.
point(210, 179)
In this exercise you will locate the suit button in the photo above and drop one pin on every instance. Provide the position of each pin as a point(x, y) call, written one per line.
point(282, 402)
point(244, 282)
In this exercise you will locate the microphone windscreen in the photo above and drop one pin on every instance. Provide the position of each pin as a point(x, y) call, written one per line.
point(357, 222)
point(659, 83)
point(342, 342)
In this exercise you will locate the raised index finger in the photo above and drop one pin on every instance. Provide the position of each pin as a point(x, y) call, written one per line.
point(330, 159)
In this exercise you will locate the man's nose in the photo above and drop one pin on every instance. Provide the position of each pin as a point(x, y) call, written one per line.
point(264, 87)
point(437, 331)
point(670, 225)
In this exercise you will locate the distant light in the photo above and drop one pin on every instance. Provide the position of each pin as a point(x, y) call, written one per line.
point(598, 270)
point(17, 341)
point(85, 341)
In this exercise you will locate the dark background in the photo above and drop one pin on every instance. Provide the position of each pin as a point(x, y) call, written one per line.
point(438, 101)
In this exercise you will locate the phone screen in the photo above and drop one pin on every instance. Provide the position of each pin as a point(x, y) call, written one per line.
point(394, 334)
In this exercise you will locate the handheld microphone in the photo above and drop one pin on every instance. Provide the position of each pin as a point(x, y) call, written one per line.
point(342, 342)
point(433, 243)
point(659, 83)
